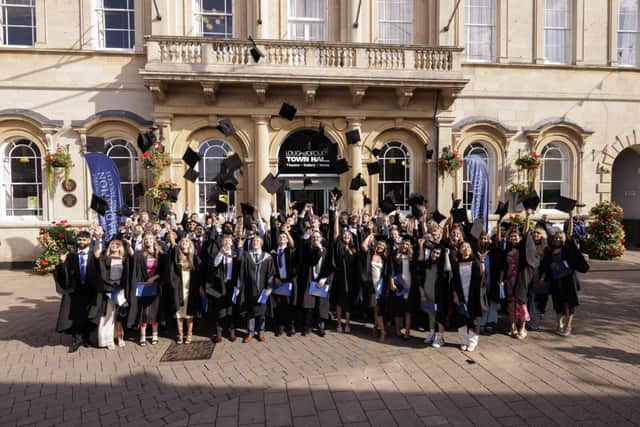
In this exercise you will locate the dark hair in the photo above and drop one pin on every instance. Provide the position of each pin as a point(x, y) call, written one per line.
point(84, 233)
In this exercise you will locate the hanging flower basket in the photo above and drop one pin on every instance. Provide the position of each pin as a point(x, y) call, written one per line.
point(156, 159)
point(449, 162)
point(529, 163)
point(160, 192)
point(58, 160)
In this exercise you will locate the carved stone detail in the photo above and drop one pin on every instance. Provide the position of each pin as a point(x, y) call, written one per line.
point(357, 94)
point(261, 92)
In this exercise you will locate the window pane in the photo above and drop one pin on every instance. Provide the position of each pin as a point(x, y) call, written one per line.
point(117, 39)
point(23, 172)
point(117, 4)
point(213, 5)
point(20, 36)
point(116, 19)
point(552, 170)
point(18, 16)
point(551, 192)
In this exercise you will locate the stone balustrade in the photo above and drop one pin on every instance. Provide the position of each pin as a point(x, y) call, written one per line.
point(211, 52)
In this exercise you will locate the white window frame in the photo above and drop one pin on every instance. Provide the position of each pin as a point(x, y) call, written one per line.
point(407, 182)
point(565, 172)
point(4, 27)
point(307, 22)
point(225, 150)
point(567, 30)
point(200, 16)
point(134, 166)
point(402, 23)
point(131, 24)
point(492, 26)
point(489, 156)
point(632, 33)
point(7, 183)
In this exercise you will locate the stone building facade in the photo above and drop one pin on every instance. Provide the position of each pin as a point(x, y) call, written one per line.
point(496, 78)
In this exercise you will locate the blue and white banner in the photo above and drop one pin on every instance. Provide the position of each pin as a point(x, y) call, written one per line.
point(479, 177)
point(105, 181)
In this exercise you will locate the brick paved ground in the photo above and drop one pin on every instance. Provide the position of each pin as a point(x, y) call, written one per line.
point(591, 378)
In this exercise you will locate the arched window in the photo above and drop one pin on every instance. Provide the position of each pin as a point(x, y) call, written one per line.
point(125, 156)
point(213, 152)
point(395, 173)
point(480, 150)
point(554, 174)
point(22, 179)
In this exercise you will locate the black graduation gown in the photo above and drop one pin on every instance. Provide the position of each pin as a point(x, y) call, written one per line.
point(565, 289)
point(368, 287)
point(321, 256)
point(254, 277)
point(174, 279)
point(495, 255)
point(521, 289)
point(77, 298)
point(290, 262)
point(108, 285)
point(218, 288)
point(146, 309)
point(474, 307)
point(346, 283)
point(442, 291)
point(398, 305)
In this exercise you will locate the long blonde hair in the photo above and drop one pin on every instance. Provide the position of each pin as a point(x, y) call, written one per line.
point(409, 253)
point(157, 249)
point(185, 260)
point(112, 243)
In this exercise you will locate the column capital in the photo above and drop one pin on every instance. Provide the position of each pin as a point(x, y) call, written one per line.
point(261, 119)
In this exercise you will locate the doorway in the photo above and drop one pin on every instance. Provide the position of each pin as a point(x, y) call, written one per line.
point(316, 193)
point(625, 191)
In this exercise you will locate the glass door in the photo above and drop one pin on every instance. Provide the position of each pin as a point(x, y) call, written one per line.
point(317, 193)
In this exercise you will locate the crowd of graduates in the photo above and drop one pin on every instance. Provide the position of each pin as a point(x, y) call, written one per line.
point(299, 273)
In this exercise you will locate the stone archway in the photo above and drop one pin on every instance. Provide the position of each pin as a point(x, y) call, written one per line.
point(625, 190)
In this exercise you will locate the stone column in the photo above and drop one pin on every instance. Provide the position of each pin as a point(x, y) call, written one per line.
point(355, 154)
point(447, 184)
point(262, 200)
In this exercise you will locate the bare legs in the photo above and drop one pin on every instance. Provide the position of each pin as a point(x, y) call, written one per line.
point(179, 325)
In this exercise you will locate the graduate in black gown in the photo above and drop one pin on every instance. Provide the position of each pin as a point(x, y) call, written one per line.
point(221, 281)
point(284, 257)
point(77, 278)
point(402, 287)
point(256, 274)
point(466, 280)
point(317, 267)
point(346, 281)
point(148, 265)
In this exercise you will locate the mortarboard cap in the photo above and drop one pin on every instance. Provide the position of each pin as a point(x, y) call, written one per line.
point(373, 168)
point(337, 192)
point(429, 153)
point(376, 152)
point(565, 204)
point(173, 194)
point(307, 182)
point(416, 199)
point(221, 206)
point(455, 203)
point(357, 182)
point(145, 141)
point(163, 213)
point(287, 111)
point(226, 127)
point(227, 182)
point(531, 201)
point(138, 190)
point(437, 216)
point(272, 184)
point(353, 136)
point(232, 163)
point(387, 206)
point(191, 174)
point(191, 157)
point(341, 166)
point(99, 204)
point(367, 200)
point(502, 209)
point(124, 211)
point(460, 216)
point(247, 209)
point(256, 53)
point(95, 144)
point(477, 228)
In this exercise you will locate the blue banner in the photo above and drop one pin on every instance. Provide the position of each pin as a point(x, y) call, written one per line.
point(105, 181)
point(479, 177)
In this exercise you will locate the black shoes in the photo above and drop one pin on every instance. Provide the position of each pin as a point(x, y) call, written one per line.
point(75, 345)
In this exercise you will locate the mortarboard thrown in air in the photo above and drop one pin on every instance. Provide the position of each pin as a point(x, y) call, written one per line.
point(99, 204)
point(232, 163)
point(387, 205)
point(191, 174)
point(273, 185)
point(287, 111)
point(191, 157)
point(373, 168)
point(173, 194)
point(353, 136)
point(565, 204)
point(460, 216)
point(341, 166)
point(124, 211)
point(226, 181)
point(138, 190)
point(437, 216)
point(226, 127)
point(145, 141)
point(531, 201)
point(357, 182)
point(502, 209)
point(366, 199)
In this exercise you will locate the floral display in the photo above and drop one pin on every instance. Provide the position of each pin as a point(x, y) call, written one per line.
point(58, 159)
point(605, 234)
point(529, 161)
point(53, 241)
point(160, 193)
point(518, 188)
point(449, 162)
point(156, 159)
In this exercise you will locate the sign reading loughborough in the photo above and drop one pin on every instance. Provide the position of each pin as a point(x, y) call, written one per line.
point(306, 152)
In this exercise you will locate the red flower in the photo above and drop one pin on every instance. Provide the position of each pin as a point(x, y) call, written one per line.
point(63, 221)
point(44, 262)
point(61, 235)
point(53, 222)
point(163, 196)
point(455, 154)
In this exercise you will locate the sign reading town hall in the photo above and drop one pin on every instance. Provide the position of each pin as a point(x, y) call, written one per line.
point(306, 152)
